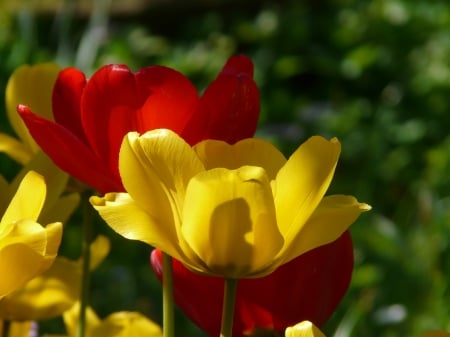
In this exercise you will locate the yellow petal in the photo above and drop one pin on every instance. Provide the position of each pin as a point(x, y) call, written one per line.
point(54, 235)
point(55, 179)
point(46, 296)
point(53, 292)
point(61, 209)
point(4, 196)
point(252, 151)
point(21, 329)
point(100, 248)
point(18, 264)
point(303, 329)
point(71, 321)
point(124, 324)
point(32, 86)
point(155, 169)
point(28, 200)
point(229, 221)
point(28, 233)
point(15, 149)
point(331, 218)
point(125, 217)
point(303, 180)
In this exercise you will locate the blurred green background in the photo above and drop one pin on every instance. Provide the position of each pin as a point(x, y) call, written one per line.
point(376, 74)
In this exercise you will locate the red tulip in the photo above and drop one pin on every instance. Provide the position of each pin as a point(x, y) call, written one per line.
point(92, 116)
point(308, 288)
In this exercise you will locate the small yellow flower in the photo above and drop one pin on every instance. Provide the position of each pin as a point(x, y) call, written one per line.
point(118, 324)
point(235, 211)
point(55, 291)
point(26, 248)
point(303, 329)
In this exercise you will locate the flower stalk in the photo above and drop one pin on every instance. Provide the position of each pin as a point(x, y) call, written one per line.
point(87, 237)
point(229, 297)
point(168, 302)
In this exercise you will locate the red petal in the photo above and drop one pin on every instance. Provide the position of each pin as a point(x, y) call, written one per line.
point(108, 106)
point(229, 108)
point(115, 101)
point(171, 99)
point(311, 286)
point(307, 288)
point(66, 98)
point(68, 152)
point(238, 65)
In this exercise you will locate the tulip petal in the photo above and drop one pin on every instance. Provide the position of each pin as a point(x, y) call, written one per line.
point(170, 99)
point(302, 182)
point(18, 264)
point(66, 100)
point(66, 149)
point(331, 218)
point(252, 151)
point(155, 169)
point(304, 329)
point(46, 296)
point(31, 86)
point(26, 232)
point(53, 292)
point(154, 97)
point(124, 324)
point(15, 149)
point(229, 107)
point(125, 217)
point(308, 287)
point(229, 220)
point(71, 319)
point(27, 202)
point(108, 105)
point(21, 329)
point(61, 209)
point(54, 235)
point(4, 197)
point(100, 248)
point(238, 65)
point(55, 179)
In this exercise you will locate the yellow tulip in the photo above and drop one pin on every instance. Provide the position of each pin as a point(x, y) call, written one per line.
point(303, 329)
point(55, 291)
point(26, 248)
point(127, 323)
point(118, 324)
point(234, 211)
point(32, 86)
point(58, 204)
point(21, 329)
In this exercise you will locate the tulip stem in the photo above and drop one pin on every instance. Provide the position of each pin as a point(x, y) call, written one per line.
point(229, 297)
point(87, 236)
point(168, 303)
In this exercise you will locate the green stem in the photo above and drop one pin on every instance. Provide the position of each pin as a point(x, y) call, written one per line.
point(168, 306)
point(229, 297)
point(87, 236)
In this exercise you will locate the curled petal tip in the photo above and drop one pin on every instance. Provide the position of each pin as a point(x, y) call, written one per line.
point(365, 207)
point(304, 329)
